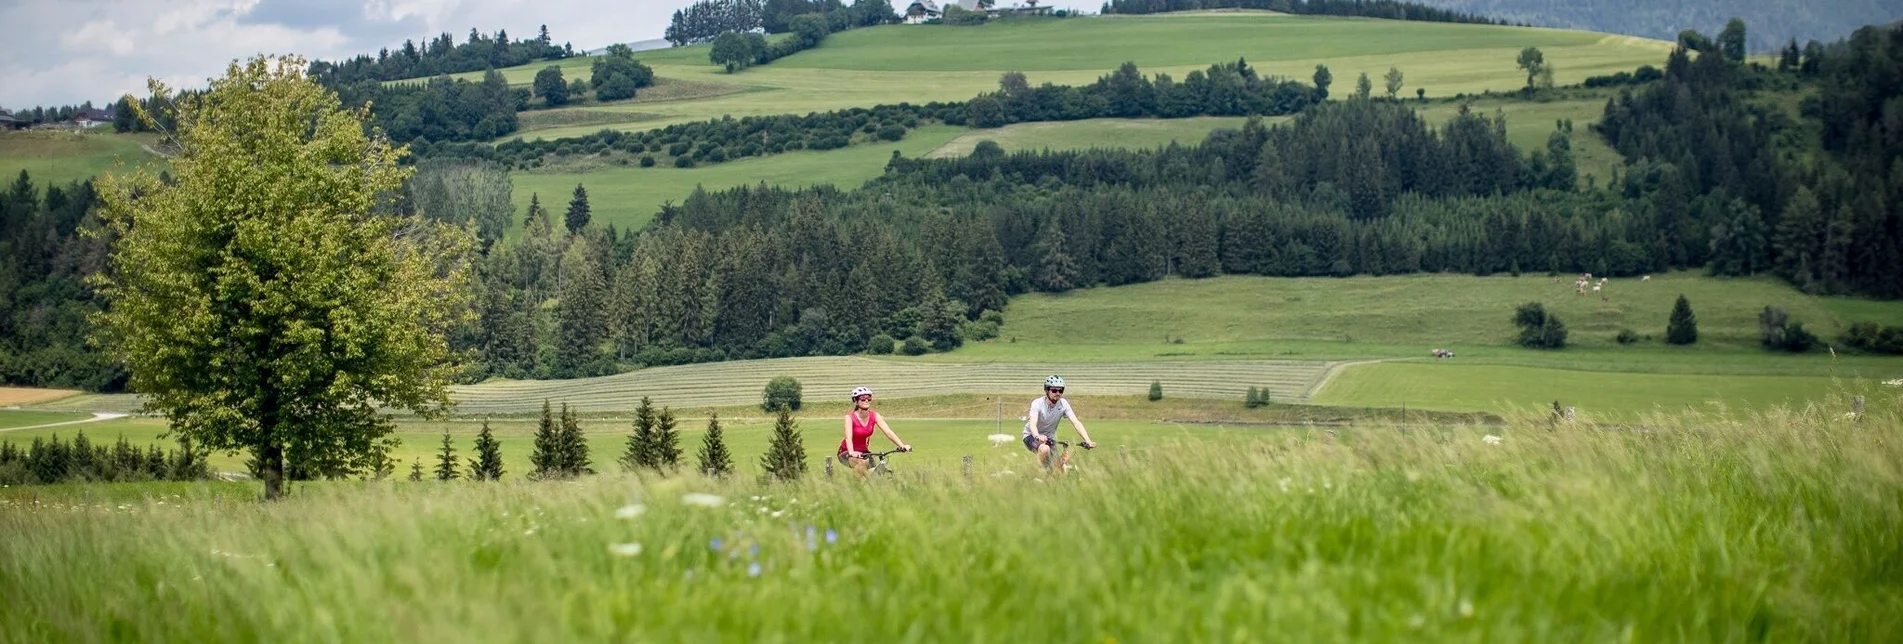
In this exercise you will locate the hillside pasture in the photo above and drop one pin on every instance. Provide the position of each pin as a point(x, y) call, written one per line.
point(60, 157)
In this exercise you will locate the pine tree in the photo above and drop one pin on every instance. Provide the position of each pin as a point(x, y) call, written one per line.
point(1156, 390)
point(1683, 327)
point(640, 451)
point(574, 446)
point(578, 212)
point(547, 456)
point(1253, 399)
point(416, 469)
point(713, 449)
point(1056, 272)
point(487, 465)
point(785, 458)
point(446, 460)
point(666, 448)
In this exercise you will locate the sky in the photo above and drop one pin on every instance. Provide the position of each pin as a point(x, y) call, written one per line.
point(64, 52)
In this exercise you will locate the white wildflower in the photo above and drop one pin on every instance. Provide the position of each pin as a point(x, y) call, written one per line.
point(1490, 439)
point(703, 499)
point(777, 513)
point(1284, 483)
point(1893, 383)
point(999, 439)
point(631, 511)
point(1466, 608)
point(624, 549)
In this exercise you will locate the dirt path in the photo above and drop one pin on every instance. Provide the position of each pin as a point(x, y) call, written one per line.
point(97, 416)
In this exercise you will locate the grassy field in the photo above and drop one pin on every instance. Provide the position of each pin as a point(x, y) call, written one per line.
point(10, 418)
point(891, 64)
point(1777, 528)
point(62, 157)
point(1092, 133)
point(628, 196)
point(1603, 394)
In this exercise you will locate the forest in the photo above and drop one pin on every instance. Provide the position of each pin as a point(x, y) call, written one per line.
point(1775, 22)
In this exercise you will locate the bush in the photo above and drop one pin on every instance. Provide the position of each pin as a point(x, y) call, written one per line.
point(1539, 329)
point(915, 346)
point(1796, 339)
point(891, 133)
point(679, 149)
point(1156, 390)
point(880, 345)
point(683, 162)
point(1875, 338)
point(977, 331)
point(781, 391)
point(1628, 336)
point(647, 161)
point(992, 316)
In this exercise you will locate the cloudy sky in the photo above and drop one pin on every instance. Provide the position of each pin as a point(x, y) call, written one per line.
point(67, 51)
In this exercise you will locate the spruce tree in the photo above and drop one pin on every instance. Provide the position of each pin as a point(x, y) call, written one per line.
point(446, 460)
point(785, 458)
point(1253, 399)
point(1683, 327)
point(487, 465)
point(578, 212)
point(640, 451)
point(713, 449)
point(574, 446)
point(547, 456)
point(416, 469)
point(666, 449)
point(1156, 390)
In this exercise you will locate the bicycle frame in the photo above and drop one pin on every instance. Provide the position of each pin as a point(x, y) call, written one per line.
point(878, 460)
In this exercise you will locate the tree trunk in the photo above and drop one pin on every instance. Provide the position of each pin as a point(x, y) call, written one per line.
point(272, 457)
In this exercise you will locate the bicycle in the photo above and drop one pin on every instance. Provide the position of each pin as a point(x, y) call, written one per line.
point(1063, 456)
point(878, 461)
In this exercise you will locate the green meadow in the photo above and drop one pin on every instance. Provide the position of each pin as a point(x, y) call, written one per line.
point(61, 157)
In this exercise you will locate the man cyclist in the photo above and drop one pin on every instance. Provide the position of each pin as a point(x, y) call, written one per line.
point(1040, 425)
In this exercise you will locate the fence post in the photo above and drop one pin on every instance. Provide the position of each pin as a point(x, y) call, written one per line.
point(1856, 406)
point(829, 468)
point(967, 466)
point(1123, 452)
point(710, 473)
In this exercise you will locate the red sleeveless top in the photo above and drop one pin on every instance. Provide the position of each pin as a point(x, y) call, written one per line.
point(861, 430)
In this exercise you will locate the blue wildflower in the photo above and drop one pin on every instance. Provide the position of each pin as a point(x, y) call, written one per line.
point(714, 543)
point(753, 569)
point(832, 535)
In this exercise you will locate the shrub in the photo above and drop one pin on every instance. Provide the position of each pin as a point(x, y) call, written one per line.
point(1539, 329)
point(880, 344)
point(915, 346)
point(683, 162)
point(1628, 336)
point(647, 161)
point(892, 133)
point(781, 391)
point(1156, 390)
point(977, 331)
point(679, 149)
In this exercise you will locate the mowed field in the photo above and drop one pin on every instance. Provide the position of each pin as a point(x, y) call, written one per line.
point(1777, 528)
point(63, 157)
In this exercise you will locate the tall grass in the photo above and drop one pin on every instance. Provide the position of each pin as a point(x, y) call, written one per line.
point(1780, 525)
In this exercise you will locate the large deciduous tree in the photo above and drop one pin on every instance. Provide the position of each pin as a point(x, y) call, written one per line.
point(261, 298)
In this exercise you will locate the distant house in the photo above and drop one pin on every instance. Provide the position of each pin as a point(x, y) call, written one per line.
point(7, 122)
point(90, 116)
point(921, 12)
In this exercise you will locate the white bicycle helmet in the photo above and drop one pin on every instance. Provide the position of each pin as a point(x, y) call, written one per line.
point(1053, 381)
point(861, 391)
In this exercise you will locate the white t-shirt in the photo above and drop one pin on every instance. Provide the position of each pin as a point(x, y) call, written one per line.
point(1046, 415)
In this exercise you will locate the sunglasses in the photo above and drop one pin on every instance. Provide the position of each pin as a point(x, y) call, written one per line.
point(1055, 390)
point(862, 399)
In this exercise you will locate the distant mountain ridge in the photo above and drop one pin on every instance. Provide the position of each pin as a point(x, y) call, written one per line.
point(1770, 23)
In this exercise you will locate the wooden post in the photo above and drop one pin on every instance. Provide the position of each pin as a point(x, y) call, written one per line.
point(967, 466)
point(710, 472)
point(1856, 406)
point(829, 468)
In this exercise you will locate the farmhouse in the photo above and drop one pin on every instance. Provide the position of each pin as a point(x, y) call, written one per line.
point(90, 116)
point(7, 122)
point(921, 12)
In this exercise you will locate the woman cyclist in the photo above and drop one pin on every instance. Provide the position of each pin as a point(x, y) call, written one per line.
point(858, 426)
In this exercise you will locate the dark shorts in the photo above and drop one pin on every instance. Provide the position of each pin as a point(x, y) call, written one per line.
point(1031, 443)
point(847, 460)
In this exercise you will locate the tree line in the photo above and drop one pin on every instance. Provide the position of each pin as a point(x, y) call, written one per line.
point(1386, 9)
point(48, 461)
point(440, 108)
point(615, 76)
point(1224, 89)
point(441, 55)
point(707, 20)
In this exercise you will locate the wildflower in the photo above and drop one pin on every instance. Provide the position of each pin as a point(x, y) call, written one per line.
point(624, 549)
point(630, 511)
point(777, 513)
point(999, 439)
point(831, 535)
point(1284, 483)
point(754, 550)
point(1466, 608)
point(1490, 439)
point(703, 499)
point(529, 532)
point(714, 543)
point(1893, 383)
point(753, 569)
